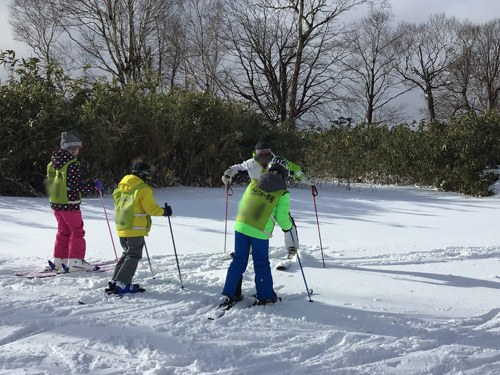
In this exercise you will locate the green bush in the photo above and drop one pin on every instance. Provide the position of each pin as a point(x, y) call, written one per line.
point(459, 155)
point(192, 137)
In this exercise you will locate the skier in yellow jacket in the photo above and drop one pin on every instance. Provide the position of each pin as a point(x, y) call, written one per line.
point(134, 206)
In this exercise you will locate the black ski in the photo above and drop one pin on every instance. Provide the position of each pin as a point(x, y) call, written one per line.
point(221, 309)
point(285, 264)
point(93, 301)
point(110, 291)
point(279, 299)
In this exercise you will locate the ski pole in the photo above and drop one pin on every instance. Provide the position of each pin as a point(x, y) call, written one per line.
point(315, 194)
point(302, 270)
point(149, 260)
point(175, 251)
point(109, 227)
point(228, 186)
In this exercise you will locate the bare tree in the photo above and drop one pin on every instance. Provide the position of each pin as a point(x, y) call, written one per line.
point(261, 49)
point(284, 53)
point(424, 54)
point(487, 66)
point(205, 47)
point(372, 83)
point(459, 97)
point(116, 36)
point(37, 22)
point(171, 46)
point(313, 22)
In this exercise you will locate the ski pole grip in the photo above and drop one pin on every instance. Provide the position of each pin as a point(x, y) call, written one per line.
point(314, 191)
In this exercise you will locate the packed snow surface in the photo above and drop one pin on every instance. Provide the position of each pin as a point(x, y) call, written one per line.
point(410, 286)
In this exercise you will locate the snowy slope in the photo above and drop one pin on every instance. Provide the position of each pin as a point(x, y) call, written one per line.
point(410, 287)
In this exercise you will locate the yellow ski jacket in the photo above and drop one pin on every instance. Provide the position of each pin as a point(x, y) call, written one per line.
point(144, 204)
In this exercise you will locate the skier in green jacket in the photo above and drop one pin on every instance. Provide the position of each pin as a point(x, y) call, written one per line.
point(259, 165)
point(265, 202)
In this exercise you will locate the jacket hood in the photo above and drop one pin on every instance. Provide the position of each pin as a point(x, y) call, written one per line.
point(129, 182)
point(61, 157)
point(271, 181)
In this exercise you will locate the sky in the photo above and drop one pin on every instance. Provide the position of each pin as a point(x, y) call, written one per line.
point(407, 10)
point(419, 10)
point(6, 38)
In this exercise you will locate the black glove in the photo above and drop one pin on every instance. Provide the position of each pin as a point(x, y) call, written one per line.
point(168, 210)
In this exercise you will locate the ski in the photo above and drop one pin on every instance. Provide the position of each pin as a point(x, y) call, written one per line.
point(228, 256)
point(111, 289)
point(109, 294)
point(52, 273)
point(93, 301)
point(39, 275)
point(46, 274)
point(221, 309)
point(285, 264)
point(280, 299)
point(105, 263)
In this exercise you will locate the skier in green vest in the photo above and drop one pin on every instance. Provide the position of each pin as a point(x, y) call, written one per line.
point(65, 189)
point(264, 202)
point(134, 206)
point(258, 165)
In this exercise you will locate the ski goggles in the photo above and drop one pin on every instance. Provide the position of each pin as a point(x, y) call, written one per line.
point(264, 155)
point(148, 174)
point(145, 174)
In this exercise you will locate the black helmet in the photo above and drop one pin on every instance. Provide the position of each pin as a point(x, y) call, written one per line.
point(280, 164)
point(262, 146)
point(142, 170)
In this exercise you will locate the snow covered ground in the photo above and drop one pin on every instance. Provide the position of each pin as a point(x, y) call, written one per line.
point(410, 287)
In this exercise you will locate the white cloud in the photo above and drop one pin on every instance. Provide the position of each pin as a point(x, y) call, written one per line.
point(7, 41)
point(6, 38)
point(419, 10)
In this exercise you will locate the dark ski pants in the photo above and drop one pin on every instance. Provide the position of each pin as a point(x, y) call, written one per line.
point(132, 254)
point(260, 256)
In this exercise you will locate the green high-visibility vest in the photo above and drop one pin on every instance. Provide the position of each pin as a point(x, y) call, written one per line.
point(257, 205)
point(124, 208)
point(57, 183)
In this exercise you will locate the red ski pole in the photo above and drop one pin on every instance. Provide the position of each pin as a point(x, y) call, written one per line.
point(314, 194)
point(109, 227)
point(228, 186)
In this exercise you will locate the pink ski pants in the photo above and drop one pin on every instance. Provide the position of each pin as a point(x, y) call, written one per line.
point(69, 238)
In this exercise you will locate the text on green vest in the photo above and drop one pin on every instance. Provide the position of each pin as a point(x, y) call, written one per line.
point(258, 205)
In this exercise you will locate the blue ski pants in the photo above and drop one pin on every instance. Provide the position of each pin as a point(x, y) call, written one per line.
point(262, 267)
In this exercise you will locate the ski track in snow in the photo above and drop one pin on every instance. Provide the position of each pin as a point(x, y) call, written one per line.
point(423, 257)
point(374, 312)
point(165, 330)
